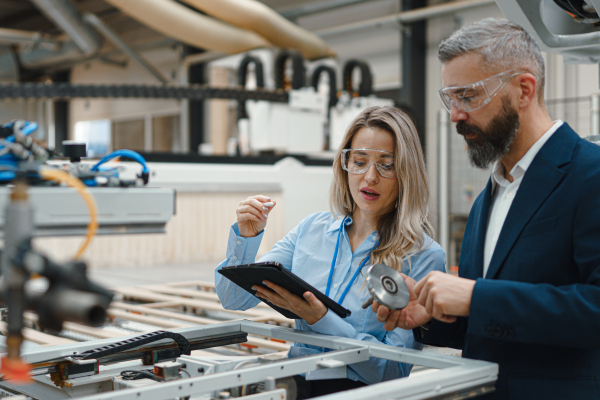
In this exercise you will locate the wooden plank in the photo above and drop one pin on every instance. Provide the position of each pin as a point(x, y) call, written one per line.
point(86, 330)
point(162, 313)
point(161, 322)
point(144, 294)
point(41, 338)
point(197, 294)
point(192, 283)
point(163, 304)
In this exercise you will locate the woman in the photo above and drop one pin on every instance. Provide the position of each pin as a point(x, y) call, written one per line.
point(378, 199)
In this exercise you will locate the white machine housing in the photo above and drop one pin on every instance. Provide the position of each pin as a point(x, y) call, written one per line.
point(345, 111)
point(297, 127)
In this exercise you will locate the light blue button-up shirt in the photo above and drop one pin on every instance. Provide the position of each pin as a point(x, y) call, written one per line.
point(307, 251)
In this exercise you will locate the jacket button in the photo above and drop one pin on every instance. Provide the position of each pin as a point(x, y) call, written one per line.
point(489, 330)
point(510, 334)
point(497, 332)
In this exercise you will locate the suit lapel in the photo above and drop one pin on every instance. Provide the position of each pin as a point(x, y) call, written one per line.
point(542, 177)
point(480, 215)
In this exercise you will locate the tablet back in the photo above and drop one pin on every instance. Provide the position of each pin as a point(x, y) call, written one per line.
point(248, 275)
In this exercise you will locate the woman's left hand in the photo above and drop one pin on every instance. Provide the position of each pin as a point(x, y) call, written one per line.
point(308, 308)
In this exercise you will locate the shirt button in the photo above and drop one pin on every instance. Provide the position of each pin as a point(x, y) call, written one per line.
point(350, 258)
point(234, 257)
point(509, 196)
point(335, 285)
point(239, 242)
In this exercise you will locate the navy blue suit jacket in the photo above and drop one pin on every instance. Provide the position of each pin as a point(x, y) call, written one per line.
point(537, 313)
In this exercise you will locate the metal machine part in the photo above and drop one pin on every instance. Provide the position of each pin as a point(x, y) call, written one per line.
point(387, 287)
point(167, 370)
point(556, 30)
point(262, 375)
point(60, 212)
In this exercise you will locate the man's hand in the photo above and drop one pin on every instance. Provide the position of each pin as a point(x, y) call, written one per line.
point(444, 296)
point(308, 308)
point(411, 316)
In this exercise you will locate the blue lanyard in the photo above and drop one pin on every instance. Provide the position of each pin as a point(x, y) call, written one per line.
point(335, 253)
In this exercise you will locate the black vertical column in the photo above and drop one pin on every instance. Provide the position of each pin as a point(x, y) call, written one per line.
point(61, 112)
point(414, 52)
point(196, 74)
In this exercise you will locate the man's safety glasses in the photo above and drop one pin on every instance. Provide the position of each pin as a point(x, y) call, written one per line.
point(476, 95)
point(358, 161)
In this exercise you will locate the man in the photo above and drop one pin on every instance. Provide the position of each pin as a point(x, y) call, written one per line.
point(528, 295)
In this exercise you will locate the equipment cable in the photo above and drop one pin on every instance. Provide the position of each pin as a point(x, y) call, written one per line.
point(70, 180)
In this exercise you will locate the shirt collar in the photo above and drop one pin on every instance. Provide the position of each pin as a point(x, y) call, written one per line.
point(335, 226)
point(523, 164)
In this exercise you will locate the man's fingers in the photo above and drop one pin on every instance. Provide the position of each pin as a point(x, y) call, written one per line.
point(419, 286)
point(375, 306)
point(392, 321)
point(382, 313)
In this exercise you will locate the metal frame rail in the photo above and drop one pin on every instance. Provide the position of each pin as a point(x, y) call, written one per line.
point(452, 375)
point(191, 92)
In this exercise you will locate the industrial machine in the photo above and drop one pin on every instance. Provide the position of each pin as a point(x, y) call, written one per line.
point(159, 366)
point(311, 121)
point(27, 169)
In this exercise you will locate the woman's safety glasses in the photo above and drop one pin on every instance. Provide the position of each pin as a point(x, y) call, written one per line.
point(358, 161)
point(476, 95)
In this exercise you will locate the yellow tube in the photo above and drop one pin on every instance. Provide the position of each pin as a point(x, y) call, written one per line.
point(188, 26)
point(70, 180)
point(257, 17)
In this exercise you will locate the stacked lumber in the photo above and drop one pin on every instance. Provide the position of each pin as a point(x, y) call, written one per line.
point(166, 306)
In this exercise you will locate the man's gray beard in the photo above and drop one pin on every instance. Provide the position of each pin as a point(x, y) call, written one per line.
point(492, 144)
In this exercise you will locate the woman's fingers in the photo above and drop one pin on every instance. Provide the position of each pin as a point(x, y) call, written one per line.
point(246, 212)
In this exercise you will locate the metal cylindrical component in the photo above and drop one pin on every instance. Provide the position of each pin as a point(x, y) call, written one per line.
point(387, 287)
point(74, 306)
point(18, 226)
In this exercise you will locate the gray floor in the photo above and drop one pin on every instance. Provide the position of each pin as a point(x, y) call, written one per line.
point(136, 276)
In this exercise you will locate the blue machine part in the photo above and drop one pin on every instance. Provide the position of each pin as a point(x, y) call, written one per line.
point(132, 155)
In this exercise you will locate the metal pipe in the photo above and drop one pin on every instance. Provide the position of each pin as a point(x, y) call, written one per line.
point(20, 37)
point(405, 17)
point(444, 183)
point(317, 7)
point(64, 14)
point(595, 115)
point(116, 40)
point(18, 227)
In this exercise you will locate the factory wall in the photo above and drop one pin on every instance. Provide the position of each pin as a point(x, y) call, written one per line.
point(380, 46)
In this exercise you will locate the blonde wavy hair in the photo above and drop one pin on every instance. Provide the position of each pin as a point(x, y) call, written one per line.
point(400, 231)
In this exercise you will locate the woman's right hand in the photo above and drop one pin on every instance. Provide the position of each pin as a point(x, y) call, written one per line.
point(252, 215)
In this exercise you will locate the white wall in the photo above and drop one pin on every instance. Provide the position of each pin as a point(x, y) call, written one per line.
point(207, 197)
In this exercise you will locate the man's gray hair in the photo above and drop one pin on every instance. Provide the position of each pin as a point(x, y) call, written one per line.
point(503, 45)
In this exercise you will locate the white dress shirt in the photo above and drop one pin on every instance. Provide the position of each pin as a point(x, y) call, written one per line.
point(503, 193)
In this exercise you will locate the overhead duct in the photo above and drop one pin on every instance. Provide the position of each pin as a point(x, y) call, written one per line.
point(64, 14)
point(85, 41)
point(192, 28)
point(257, 17)
point(18, 37)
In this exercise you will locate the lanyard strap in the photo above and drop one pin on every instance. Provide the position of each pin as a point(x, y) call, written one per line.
point(356, 273)
point(335, 253)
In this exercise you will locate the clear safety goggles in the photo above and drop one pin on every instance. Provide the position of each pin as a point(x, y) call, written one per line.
point(476, 95)
point(358, 161)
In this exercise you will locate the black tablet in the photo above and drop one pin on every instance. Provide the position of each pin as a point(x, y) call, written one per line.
point(248, 275)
